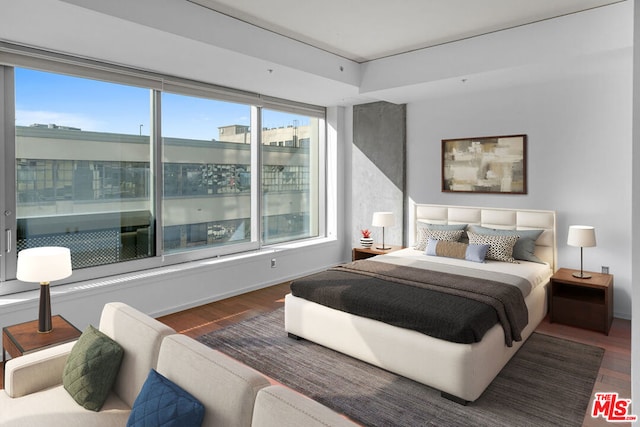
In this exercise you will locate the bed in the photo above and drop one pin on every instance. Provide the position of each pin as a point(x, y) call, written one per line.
point(461, 371)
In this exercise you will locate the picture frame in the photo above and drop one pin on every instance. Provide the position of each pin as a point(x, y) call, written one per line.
point(489, 164)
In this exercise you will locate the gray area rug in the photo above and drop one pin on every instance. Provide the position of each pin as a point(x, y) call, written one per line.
point(547, 383)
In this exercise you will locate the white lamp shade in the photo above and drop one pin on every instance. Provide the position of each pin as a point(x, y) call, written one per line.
point(583, 236)
point(383, 219)
point(43, 265)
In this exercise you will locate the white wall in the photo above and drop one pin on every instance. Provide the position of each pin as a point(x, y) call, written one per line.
point(635, 234)
point(579, 156)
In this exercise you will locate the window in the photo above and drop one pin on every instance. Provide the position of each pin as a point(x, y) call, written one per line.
point(125, 167)
point(206, 172)
point(79, 183)
point(290, 144)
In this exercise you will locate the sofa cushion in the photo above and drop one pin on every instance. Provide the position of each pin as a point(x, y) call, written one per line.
point(91, 368)
point(226, 387)
point(36, 371)
point(55, 407)
point(279, 406)
point(140, 336)
point(163, 403)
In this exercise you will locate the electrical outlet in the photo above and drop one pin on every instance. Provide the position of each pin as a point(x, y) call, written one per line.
point(605, 269)
point(273, 263)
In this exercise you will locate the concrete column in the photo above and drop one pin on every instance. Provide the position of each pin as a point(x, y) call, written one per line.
point(378, 168)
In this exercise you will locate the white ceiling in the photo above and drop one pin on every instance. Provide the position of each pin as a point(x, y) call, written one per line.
point(365, 30)
point(183, 39)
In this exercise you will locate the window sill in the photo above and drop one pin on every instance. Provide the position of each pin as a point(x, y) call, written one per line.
point(28, 297)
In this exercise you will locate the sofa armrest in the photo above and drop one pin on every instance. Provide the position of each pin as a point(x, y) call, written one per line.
point(36, 371)
point(279, 406)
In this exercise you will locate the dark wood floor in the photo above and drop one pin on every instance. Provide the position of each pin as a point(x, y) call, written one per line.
point(200, 320)
point(615, 370)
point(614, 375)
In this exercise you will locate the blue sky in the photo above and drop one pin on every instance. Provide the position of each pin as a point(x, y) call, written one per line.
point(92, 105)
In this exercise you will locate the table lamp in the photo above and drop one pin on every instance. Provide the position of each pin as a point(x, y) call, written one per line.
point(382, 219)
point(583, 236)
point(44, 265)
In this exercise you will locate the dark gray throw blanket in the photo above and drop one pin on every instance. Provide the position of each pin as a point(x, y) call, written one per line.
point(448, 306)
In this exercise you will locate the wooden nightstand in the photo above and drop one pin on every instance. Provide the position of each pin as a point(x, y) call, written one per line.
point(363, 253)
point(24, 338)
point(586, 303)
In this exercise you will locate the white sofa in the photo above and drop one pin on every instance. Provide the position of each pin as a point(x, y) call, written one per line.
point(232, 393)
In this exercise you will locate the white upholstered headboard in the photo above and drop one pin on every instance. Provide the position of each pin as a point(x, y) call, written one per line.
point(499, 218)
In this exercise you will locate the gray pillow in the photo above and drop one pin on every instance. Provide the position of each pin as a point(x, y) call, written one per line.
point(430, 226)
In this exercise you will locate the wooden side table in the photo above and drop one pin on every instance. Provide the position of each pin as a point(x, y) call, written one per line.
point(24, 338)
point(363, 253)
point(585, 303)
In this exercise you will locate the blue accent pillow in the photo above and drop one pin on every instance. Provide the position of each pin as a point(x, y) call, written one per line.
point(525, 245)
point(476, 253)
point(163, 403)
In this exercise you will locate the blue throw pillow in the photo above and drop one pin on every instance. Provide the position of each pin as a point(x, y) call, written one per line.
point(163, 403)
point(476, 253)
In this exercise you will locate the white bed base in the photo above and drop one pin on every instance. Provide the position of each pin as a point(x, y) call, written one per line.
point(460, 370)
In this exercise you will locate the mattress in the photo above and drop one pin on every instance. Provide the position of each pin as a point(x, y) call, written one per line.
point(535, 273)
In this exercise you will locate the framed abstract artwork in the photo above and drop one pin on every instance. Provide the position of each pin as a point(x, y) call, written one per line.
point(489, 164)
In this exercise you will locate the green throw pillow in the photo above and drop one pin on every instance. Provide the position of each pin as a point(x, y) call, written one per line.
point(91, 368)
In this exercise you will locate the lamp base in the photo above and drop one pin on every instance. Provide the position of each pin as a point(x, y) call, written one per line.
point(384, 248)
point(44, 316)
point(581, 275)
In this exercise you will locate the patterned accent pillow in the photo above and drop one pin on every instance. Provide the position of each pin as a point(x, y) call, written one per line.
point(500, 247)
point(161, 402)
point(524, 248)
point(424, 234)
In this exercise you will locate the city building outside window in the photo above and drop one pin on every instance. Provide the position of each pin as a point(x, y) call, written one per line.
point(82, 167)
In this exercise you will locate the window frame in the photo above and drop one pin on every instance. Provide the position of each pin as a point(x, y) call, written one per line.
point(7, 179)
